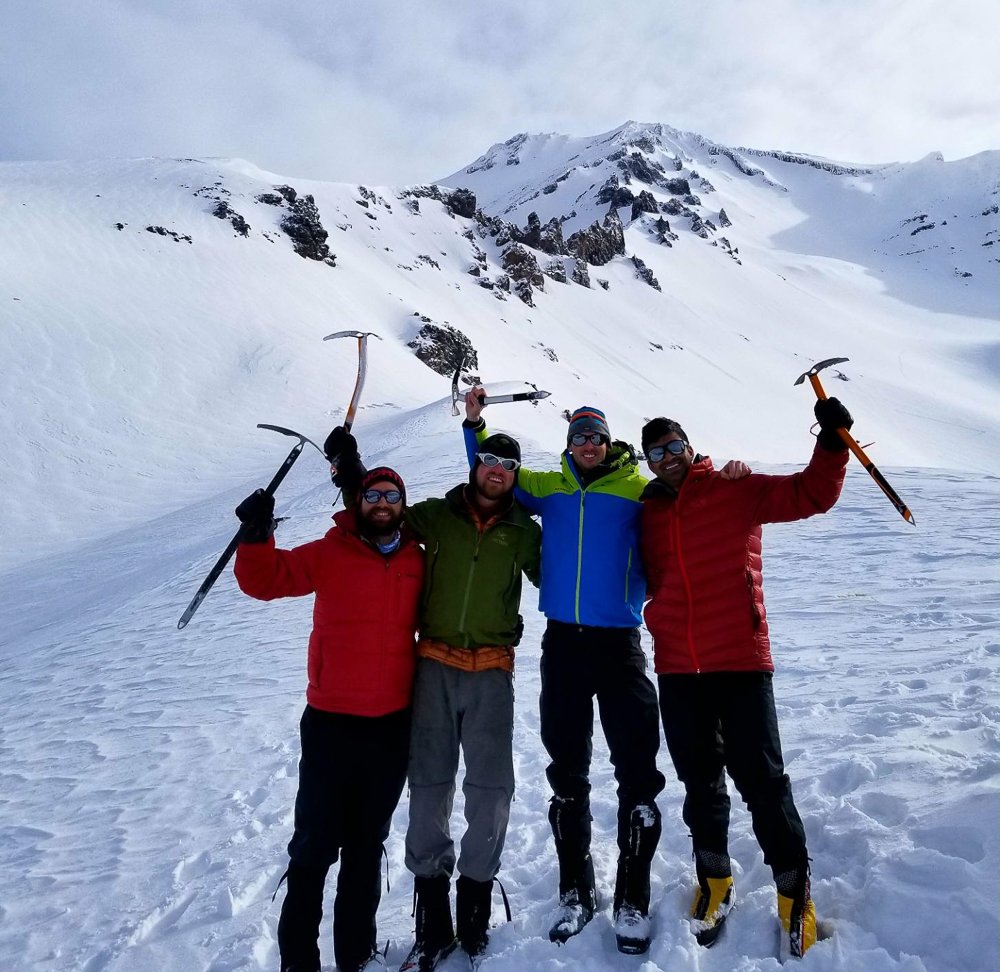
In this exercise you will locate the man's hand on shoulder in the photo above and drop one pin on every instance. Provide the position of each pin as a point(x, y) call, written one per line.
point(735, 469)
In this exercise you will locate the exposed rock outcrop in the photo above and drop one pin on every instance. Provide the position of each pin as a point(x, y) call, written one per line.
point(443, 348)
point(224, 211)
point(303, 226)
point(644, 273)
point(599, 245)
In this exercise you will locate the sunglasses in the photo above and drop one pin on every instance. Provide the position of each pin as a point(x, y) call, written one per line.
point(675, 447)
point(488, 459)
point(581, 438)
point(391, 496)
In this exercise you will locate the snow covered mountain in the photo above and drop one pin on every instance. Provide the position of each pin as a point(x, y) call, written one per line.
point(161, 301)
point(154, 311)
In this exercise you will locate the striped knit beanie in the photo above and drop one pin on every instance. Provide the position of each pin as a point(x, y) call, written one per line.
point(588, 419)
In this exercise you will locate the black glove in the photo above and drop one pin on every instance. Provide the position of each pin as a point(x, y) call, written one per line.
point(340, 446)
point(831, 415)
point(256, 513)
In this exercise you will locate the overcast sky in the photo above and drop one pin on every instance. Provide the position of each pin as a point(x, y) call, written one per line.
point(404, 91)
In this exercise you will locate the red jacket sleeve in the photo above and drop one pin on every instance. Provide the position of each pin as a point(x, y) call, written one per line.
point(650, 548)
point(815, 489)
point(265, 572)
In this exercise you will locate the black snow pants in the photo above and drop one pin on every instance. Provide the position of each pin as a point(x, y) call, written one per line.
point(351, 776)
point(726, 721)
point(579, 663)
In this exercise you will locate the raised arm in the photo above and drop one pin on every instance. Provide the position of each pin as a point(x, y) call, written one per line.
point(261, 570)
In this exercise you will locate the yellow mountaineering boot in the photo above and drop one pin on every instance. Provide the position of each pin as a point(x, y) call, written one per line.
point(714, 898)
point(798, 924)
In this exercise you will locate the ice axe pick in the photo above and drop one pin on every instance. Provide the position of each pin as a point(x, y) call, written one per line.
point(813, 375)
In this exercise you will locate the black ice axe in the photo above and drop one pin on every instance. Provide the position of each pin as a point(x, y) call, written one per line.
point(813, 375)
point(227, 554)
point(456, 396)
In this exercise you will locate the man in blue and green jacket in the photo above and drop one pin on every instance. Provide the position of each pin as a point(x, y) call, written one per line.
point(592, 592)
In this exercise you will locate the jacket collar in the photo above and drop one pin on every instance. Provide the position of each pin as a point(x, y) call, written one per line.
point(620, 460)
point(347, 521)
point(514, 513)
point(700, 469)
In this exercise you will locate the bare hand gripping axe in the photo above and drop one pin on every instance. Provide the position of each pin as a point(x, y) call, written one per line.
point(456, 395)
point(813, 375)
point(227, 554)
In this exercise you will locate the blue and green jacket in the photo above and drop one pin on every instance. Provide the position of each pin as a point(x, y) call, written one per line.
point(591, 571)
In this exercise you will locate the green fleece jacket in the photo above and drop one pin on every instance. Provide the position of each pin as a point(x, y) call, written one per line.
point(472, 584)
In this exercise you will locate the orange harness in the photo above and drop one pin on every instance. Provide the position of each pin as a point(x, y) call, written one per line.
point(468, 659)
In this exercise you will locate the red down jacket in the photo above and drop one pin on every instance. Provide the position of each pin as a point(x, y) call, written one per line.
point(701, 550)
point(362, 649)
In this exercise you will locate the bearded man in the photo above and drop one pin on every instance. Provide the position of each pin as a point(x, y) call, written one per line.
point(367, 574)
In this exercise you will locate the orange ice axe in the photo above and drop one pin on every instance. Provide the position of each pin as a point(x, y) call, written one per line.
point(813, 375)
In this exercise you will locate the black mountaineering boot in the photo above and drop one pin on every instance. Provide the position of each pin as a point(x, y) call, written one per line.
point(570, 820)
point(434, 939)
point(473, 906)
point(638, 834)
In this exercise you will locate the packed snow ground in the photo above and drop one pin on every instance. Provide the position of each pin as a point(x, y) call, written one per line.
point(147, 775)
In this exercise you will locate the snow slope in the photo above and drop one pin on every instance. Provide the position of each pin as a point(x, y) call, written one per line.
point(147, 775)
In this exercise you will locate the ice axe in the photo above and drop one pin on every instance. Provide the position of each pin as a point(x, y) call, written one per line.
point(362, 337)
point(532, 396)
point(220, 565)
point(813, 375)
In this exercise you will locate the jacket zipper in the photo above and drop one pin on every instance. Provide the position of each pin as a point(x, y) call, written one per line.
point(579, 557)
point(687, 585)
point(468, 588)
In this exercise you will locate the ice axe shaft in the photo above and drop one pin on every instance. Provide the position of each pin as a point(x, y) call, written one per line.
point(813, 375)
point(220, 565)
point(532, 396)
point(359, 383)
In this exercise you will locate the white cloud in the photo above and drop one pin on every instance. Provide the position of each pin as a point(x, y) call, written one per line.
point(397, 92)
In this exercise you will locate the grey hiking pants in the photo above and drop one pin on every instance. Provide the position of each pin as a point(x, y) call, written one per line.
point(474, 710)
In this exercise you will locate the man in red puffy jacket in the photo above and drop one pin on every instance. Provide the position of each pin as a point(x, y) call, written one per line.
point(701, 547)
point(367, 574)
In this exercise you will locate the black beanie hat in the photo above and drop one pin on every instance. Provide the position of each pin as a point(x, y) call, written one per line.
point(383, 474)
point(501, 445)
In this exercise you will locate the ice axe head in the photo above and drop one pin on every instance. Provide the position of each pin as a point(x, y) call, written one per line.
point(455, 395)
point(354, 334)
point(816, 369)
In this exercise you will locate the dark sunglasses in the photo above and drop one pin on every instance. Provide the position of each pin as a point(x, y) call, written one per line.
point(391, 496)
point(675, 447)
point(488, 459)
point(581, 438)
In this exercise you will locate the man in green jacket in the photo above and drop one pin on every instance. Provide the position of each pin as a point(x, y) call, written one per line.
point(478, 542)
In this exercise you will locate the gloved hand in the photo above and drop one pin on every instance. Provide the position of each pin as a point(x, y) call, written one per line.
point(256, 513)
point(340, 444)
point(349, 470)
point(831, 415)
